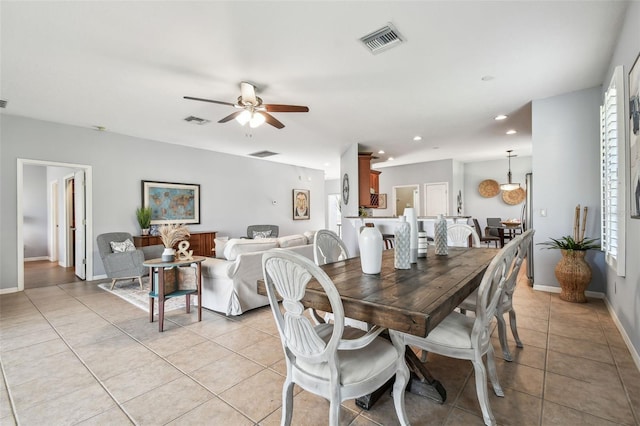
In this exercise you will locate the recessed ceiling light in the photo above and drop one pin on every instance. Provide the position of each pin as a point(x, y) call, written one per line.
point(390, 158)
point(511, 132)
point(327, 164)
point(500, 117)
point(417, 138)
point(381, 152)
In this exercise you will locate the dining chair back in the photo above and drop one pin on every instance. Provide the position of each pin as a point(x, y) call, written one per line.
point(458, 235)
point(328, 247)
point(463, 337)
point(493, 223)
point(318, 357)
point(485, 237)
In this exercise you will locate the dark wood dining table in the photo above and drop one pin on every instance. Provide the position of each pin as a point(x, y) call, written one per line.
point(411, 301)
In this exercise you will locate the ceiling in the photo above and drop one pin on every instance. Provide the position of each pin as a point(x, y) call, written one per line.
point(126, 66)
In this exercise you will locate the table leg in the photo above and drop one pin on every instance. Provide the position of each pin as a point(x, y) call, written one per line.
point(151, 298)
point(422, 382)
point(199, 284)
point(161, 299)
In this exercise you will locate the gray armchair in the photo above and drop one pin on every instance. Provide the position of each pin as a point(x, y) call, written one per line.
point(126, 265)
point(261, 228)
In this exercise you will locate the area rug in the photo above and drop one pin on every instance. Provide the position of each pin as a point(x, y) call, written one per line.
point(130, 291)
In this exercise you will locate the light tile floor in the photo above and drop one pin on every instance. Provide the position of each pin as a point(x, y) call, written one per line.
point(75, 354)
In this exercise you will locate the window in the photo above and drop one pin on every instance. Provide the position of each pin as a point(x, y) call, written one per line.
point(612, 174)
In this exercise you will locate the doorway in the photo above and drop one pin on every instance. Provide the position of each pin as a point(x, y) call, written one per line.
point(406, 196)
point(436, 200)
point(56, 254)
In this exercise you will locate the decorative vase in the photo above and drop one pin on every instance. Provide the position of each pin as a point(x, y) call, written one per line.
point(402, 258)
point(410, 214)
point(169, 254)
point(440, 236)
point(145, 231)
point(370, 242)
point(574, 274)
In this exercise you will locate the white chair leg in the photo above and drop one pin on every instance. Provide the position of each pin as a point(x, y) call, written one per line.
point(493, 374)
point(140, 280)
point(334, 411)
point(514, 328)
point(113, 282)
point(502, 333)
point(481, 391)
point(402, 379)
point(287, 402)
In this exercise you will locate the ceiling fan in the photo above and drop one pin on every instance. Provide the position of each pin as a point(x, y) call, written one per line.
point(251, 109)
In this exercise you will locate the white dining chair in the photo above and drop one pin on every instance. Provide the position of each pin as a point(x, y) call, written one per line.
point(506, 300)
point(329, 248)
point(318, 358)
point(458, 235)
point(463, 337)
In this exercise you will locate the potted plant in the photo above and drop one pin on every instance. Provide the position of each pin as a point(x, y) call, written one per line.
point(172, 234)
point(573, 272)
point(143, 214)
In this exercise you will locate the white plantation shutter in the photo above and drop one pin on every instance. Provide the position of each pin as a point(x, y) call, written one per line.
point(612, 174)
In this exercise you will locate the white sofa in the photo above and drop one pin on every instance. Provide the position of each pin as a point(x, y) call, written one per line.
point(229, 282)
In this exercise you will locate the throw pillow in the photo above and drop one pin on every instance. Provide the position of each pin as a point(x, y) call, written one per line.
point(220, 242)
point(121, 247)
point(292, 241)
point(261, 234)
point(237, 246)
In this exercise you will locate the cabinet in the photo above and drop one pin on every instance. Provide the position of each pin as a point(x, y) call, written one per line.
point(368, 181)
point(202, 243)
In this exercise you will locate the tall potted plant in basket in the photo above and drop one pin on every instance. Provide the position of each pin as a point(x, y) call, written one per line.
point(573, 272)
point(172, 234)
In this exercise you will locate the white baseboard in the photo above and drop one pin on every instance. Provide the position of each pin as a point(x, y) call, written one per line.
point(8, 290)
point(554, 289)
point(33, 259)
point(623, 333)
point(99, 277)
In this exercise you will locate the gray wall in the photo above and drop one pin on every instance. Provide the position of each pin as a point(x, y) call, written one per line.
point(34, 206)
point(623, 293)
point(235, 191)
point(480, 207)
point(566, 171)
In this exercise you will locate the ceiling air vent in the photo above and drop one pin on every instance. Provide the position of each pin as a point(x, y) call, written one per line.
point(3, 103)
point(263, 154)
point(382, 39)
point(196, 120)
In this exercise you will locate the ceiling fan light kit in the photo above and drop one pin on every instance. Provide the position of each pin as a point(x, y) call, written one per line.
point(253, 111)
point(509, 186)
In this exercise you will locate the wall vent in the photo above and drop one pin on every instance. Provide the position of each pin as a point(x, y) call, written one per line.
point(3, 103)
point(263, 154)
point(196, 120)
point(382, 39)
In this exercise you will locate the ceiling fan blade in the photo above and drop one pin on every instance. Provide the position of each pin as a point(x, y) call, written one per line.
point(209, 100)
point(248, 93)
point(230, 116)
point(285, 108)
point(272, 120)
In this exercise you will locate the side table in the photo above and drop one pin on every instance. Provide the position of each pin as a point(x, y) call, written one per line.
point(158, 291)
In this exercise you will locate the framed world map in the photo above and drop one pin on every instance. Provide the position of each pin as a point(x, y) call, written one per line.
point(172, 202)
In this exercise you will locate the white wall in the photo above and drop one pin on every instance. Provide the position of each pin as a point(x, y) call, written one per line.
point(35, 212)
point(623, 293)
point(566, 171)
point(349, 166)
point(235, 191)
point(481, 208)
point(416, 174)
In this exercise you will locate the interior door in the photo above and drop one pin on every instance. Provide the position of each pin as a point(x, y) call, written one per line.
point(436, 198)
point(80, 224)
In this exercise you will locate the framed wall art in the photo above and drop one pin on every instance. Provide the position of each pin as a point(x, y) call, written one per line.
point(301, 204)
point(172, 202)
point(634, 138)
